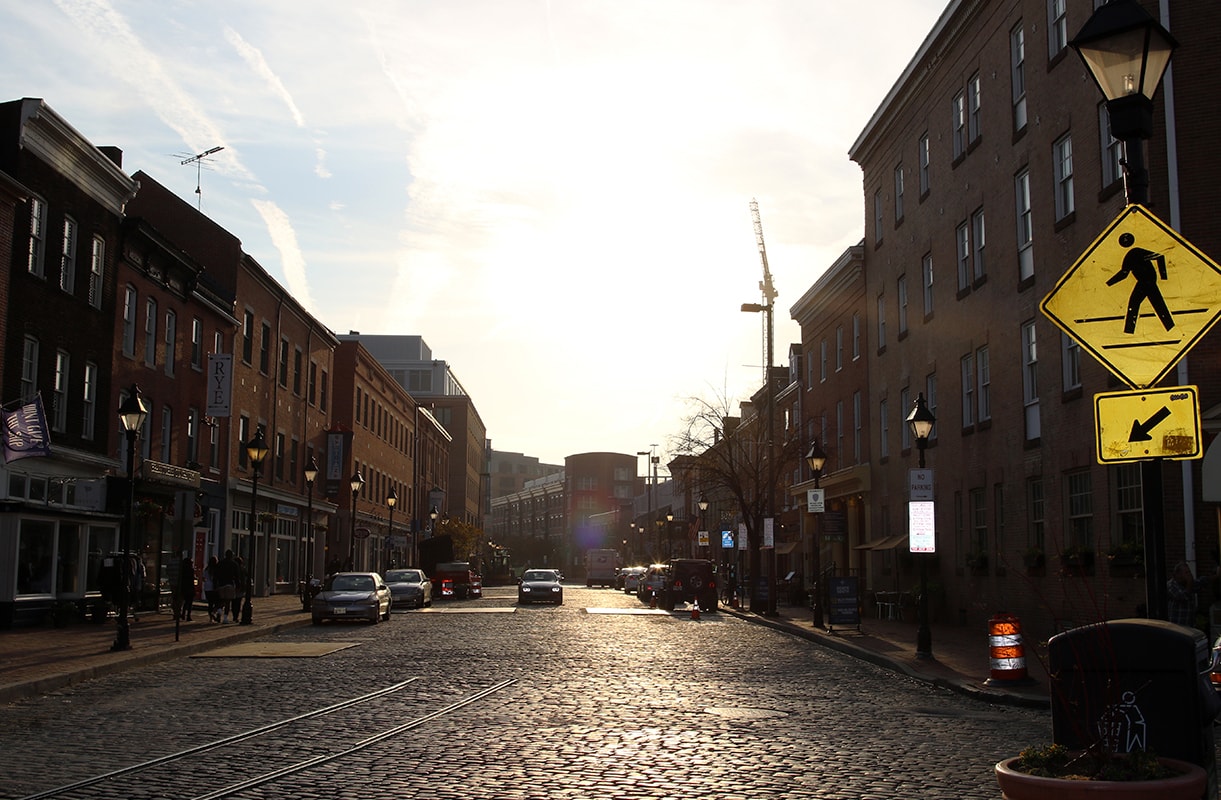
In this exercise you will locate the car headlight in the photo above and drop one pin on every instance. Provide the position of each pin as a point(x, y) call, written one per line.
point(555, 588)
point(525, 589)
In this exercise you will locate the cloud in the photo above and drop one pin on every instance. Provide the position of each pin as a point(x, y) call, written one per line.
point(254, 58)
point(284, 238)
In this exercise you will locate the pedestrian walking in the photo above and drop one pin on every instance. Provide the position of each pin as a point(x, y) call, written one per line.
point(209, 589)
point(226, 575)
point(243, 587)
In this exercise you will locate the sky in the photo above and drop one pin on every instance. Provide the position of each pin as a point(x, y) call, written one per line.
point(555, 194)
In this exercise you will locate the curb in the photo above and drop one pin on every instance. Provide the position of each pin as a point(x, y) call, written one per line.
point(963, 687)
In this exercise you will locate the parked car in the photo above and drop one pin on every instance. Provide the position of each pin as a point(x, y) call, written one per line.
point(410, 588)
point(1214, 669)
point(652, 582)
point(540, 586)
point(630, 578)
point(353, 595)
point(690, 580)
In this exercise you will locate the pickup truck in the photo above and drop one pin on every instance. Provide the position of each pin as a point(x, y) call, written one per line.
point(456, 579)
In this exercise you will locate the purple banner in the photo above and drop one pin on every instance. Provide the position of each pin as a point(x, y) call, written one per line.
point(25, 432)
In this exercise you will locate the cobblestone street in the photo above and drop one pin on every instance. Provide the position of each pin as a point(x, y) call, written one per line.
point(606, 701)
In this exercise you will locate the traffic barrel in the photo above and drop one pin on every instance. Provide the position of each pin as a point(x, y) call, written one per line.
point(695, 610)
point(1008, 653)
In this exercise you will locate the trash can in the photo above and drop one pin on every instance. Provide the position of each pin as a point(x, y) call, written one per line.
point(1135, 684)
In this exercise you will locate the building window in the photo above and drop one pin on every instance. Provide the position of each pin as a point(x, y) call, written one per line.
point(905, 405)
point(810, 368)
point(283, 365)
point(930, 398)
point(59, 403)
point(193, 436)
point(38, 236)
point(925, 157)
point(67, 257)
point(171, 341)
point(883, 430)
point(983, 376)
point(129, 322)
point(265, 349)
point(979, 521)
point(197, 343)
point(1129, 504)
point(150, 332)
point(902, 304)
point(877, 217)
point(1062, 159)
point(857, 427)
point(243, 435)
point(167, 434)
point(1036, 514)
point(297, 361)
point(1080, 532)
point(958, 124)
point(247, 339)
point(29, 368)
point(89, 393)
point(1070, 357)
point(97, 271)
point(974, 130)
point(1017, 75)
point(962, 243)
point(978, 241)
point(313, 381)
point(839, 347)
point(1030, 384)
point(926, 278)
point(822, 346)
point(856, 336)
point(881, 321)
point(839, 434)
point(1057, 27)
point(1112, 149)
point(322, 392)
point(898, 194)
point(1025, 225)
point(280, 455)
point(968, 390)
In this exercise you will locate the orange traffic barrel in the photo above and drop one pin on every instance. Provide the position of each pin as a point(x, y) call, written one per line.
point(1008, 654)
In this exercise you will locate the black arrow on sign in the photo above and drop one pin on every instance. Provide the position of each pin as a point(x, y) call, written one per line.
point(1140, 431)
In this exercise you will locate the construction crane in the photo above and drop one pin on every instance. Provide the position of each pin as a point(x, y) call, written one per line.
point(765, 286)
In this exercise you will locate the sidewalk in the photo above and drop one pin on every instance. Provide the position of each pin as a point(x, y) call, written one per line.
point(38, 660)
point(960, 662)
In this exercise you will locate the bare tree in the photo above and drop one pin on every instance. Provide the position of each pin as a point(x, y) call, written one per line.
point(727, 456)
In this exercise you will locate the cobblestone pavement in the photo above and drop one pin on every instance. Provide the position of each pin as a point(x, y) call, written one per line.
point(602, 705)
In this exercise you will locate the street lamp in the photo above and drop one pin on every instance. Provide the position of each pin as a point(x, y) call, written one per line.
point(307, 552)
point(669, 535)
point(702, 504)
point(1126, 52)
point(816, 458)
point(921, 422)
point(357, 483)
point(256, 451)
point(132, 413)
point(756, 556)
point(391, 501)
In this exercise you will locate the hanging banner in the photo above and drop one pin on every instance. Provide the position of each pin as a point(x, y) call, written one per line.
point(25, 432)
point(220, 384)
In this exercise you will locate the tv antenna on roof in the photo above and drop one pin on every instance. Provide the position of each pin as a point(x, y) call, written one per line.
point(198, 161)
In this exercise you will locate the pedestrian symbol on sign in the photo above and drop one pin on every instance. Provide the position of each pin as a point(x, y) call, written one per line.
point(1145, 267)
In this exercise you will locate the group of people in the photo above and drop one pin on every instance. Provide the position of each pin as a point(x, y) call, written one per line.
point(223, 582)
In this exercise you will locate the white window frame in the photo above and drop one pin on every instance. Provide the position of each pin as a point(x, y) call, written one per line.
point(839, 347)
point(59, 401)
point(926, 280)
point(898, 194)
point(902, 289)
point(97, 271)
point(1112, 149)
point(967, 367)
point(171, 340)
point(856, 335)
point(150, 332)
point(38, 237)
point(958, 123)
point(881, 321)
point(983, 377)
point(29, 368)
point(883, 430)
point(196, 343)
point(974, 121)
point(1070, 362)
point(89, 392)
point(1030, 381)
point(962, 243)
point(167, 433)
point(1057, 27)
point(67, 255)
point(1017, 75)
point(877, 217)
point(925, 155)
point(823, 361)
point(130, 299)
point(1024, 225)
point(905, 433)
point(1062, 164)
point(978, 241)
point(930, 399)
point(858, 425)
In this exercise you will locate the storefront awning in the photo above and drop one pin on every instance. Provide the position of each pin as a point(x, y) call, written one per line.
point(889, 543)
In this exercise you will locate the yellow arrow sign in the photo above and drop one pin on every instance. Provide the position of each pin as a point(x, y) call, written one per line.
point(1138, 298)
point(1155, 423)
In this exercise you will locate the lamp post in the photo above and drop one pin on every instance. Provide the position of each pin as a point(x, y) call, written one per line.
point(661, 524)
point(816, 458)
point(1126, 52)
point(669, 535)
point(921, 422)
point(256, 451)
point(702, 503)
point(132, 413)
point(307, 551)
point(392, 500)
point(769, 344)
point(356, 484)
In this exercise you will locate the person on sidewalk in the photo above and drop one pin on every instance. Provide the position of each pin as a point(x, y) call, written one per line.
point(226, 575)
point(209, 589)
point(186, 587)
point(1181, 596)
point(243, 579)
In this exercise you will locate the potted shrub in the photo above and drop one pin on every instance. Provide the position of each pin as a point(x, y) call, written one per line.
point(1076, 559)
point(1127, 558)
point(1053, 772)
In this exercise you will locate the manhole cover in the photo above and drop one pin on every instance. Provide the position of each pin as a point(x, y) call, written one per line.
point(745, 713)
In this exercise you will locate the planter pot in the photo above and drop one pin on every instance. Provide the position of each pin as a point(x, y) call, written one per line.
point(1019, 786)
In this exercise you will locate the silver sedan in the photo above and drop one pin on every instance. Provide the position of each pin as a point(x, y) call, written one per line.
point(411, 588)
point(353, 595)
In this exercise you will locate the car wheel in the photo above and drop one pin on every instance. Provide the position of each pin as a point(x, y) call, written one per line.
point(386, 616)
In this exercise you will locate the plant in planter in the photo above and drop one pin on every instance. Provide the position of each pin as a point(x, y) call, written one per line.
point(1033, 557)
point(1076, 559)
point(1127, 557)
point(1053, 772)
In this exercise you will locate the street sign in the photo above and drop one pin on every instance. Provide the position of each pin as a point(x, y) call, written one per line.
point(1153, 423)
point(1138, 298)
point(816, 500)
point(920, 484)
point(921, 527)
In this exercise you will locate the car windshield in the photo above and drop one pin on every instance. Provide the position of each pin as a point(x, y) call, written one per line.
point(539, 575)
point(352, 583)
point(402, 576)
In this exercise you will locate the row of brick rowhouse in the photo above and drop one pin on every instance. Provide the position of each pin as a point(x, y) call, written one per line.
point(111, 281)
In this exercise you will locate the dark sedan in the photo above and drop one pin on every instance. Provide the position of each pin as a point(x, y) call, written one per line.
point(540, 586)
point(410, 588)
point(353, 595)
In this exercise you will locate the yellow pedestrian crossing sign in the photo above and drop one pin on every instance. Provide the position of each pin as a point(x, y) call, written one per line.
point(1150, 423)
point(1138, 298)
